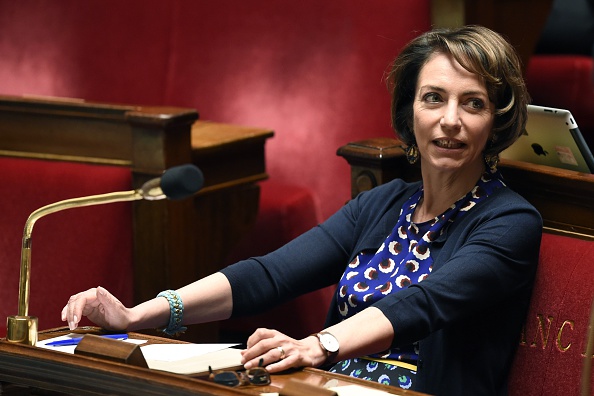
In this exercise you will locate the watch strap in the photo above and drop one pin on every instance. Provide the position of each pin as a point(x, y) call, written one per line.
point(330, 356)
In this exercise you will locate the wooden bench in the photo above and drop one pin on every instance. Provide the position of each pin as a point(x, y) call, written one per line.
point(53, 149)
point(551, 357)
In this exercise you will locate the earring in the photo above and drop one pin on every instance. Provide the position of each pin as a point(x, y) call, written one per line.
point(492, 160)
point(412, 153)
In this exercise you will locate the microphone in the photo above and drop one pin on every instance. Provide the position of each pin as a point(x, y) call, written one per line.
point(175, 183)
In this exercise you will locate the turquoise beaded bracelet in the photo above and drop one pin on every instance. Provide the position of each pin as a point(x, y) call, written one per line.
point(176, 307)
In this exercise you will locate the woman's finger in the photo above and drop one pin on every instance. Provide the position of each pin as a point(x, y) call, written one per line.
point(76, 307)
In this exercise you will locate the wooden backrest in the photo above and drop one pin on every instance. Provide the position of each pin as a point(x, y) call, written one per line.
point(52, 150)
point(552, 350)
point(70, 148)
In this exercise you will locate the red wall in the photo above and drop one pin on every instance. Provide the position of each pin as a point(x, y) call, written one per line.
point(311, 70)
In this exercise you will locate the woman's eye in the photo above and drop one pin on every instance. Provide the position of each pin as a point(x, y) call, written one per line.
point(476, 103)
point(431, 98)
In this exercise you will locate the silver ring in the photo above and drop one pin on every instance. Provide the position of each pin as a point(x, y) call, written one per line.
point(282, 352)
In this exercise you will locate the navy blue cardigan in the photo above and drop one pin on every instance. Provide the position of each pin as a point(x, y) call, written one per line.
point(467, 315)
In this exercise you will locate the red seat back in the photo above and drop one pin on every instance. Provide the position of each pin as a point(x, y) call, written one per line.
point(72, 250)
point(550, 357)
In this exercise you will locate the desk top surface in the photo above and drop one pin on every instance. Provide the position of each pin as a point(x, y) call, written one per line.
point(34, 367)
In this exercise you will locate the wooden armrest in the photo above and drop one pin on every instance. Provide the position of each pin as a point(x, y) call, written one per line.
point(563, 197)
point(376, 161)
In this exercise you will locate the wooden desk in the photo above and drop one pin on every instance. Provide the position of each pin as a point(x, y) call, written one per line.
point(25, 368)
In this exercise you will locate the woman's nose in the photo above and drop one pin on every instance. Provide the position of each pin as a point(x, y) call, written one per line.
point(451, 117)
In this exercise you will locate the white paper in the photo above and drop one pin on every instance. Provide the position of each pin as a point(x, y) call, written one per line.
point(175, 352)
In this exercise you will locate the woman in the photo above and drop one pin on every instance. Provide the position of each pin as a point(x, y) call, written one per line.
point(434, 277)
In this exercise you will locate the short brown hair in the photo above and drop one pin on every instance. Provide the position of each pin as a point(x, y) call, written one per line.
point(480, 51)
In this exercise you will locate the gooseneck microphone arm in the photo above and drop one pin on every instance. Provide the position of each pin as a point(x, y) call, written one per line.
point(176, 183)
point(25, 275)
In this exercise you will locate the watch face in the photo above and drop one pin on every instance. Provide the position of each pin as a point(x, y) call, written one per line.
point(329, 342)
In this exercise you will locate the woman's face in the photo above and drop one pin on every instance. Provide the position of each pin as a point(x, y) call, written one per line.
point(453, 116)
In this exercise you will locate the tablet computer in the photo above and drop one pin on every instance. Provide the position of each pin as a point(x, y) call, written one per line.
point(552, 138)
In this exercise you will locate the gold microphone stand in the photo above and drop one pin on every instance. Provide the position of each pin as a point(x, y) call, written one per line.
point(22, 328)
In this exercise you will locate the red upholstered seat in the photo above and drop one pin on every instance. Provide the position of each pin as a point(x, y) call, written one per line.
point(73, 249)
point(549, 359)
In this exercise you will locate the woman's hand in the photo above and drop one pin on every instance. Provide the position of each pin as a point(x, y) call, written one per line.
point(279, 352)
point(100, 306)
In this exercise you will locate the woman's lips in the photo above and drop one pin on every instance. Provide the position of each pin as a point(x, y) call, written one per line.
point(448, 144)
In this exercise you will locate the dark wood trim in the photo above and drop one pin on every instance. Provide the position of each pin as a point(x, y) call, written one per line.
point(28, 367)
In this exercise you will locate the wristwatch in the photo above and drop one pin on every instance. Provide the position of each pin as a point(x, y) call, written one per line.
point(329, 344)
